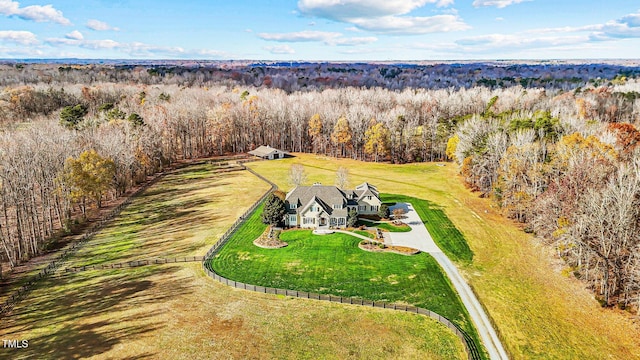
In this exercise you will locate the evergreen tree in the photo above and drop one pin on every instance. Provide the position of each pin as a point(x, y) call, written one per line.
point(352, 218)
point(71, 116)
point(273, 211)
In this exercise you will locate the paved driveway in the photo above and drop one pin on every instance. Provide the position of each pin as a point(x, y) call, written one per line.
point(419, 238)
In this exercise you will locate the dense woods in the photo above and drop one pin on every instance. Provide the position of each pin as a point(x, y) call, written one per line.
point(565, 162)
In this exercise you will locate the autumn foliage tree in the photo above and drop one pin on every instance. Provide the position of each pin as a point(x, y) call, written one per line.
point(341, 135)
point(89, 176)
point(315, 131)
point(377, 140)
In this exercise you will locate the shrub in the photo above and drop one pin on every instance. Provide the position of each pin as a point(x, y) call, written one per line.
point(384, 211)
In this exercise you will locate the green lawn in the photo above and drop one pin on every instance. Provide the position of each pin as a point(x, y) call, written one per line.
point(539, 311)
point(393, 228)
point(333, 264)
point(175, 311)
point(364, 233)
point(384, 226)
point(443, 232)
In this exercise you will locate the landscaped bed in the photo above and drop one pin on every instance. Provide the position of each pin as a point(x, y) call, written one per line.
point(384, 225)
point(269, 240)
point(379, 247)
point(334, 264)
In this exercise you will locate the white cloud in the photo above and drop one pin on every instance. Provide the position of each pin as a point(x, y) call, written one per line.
point(74, 35)
point(626, 27)
point(384, 16)
point(37, 13)
point(352, 41)
point(502, 41)
point(18, 37)
point(412, 25)
point(497, 3)
point(135, 49)
point(98, 25)
point(85, 43)
point(300, 36)
point(280, 49)
point(342, 10)
point(328, 38)
point(560, 39)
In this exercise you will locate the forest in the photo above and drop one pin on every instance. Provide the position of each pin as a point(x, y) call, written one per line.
point(563, 159)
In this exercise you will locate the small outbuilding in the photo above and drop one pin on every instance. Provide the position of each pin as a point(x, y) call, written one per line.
point(268, 153)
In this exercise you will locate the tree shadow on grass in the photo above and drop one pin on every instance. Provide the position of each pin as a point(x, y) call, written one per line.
point(80, 315)
point(82, 341)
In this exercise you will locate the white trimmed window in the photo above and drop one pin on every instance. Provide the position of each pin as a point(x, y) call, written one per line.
point(341, 221)
point(292, 219)
point(333, 221)
point(374, 208)
point(293, 206)
point(362, 208)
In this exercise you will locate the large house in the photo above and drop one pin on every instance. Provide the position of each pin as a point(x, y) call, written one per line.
point(268, 153)
point(327, 206)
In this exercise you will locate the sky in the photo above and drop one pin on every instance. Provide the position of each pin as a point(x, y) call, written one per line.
point(321, 30)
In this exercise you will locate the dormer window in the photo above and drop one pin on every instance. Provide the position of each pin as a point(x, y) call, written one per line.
point(293, 206)
point(337, 206)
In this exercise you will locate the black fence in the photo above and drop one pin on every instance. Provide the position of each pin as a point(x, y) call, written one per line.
point(28, 285)
point(135, 263)
point(470, 345)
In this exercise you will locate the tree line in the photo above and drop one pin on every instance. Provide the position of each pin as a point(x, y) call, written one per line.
point(574, 181)
point(548, 158)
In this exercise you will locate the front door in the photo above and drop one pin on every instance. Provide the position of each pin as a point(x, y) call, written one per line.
point(323, 221)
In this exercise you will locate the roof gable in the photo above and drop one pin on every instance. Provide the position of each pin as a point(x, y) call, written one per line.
point(265, 151)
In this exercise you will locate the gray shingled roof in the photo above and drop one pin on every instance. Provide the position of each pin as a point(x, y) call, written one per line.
point(263, 151)
point(327, 196)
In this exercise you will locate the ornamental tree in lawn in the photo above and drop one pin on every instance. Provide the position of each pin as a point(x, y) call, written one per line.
point(273, 211)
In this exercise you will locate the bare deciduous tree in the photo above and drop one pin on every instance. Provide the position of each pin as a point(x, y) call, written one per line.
point(297, 175)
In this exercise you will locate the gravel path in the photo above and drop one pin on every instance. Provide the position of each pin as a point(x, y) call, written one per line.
point(419, 238)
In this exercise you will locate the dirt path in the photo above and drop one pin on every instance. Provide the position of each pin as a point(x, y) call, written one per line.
point(420, 238)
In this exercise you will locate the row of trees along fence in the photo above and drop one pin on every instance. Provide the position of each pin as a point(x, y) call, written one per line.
point(29, 284)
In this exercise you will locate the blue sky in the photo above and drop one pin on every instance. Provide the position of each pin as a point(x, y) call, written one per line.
point(320, 29)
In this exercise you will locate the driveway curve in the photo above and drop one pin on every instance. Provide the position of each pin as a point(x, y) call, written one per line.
point(419, 238)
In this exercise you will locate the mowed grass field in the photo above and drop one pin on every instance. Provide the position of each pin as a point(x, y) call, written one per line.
point(176, 312)
point(540, 312)
point(334, 264)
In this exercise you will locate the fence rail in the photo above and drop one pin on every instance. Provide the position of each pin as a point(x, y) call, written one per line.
point(470, 345)
point(135, 263)
point(25, 289)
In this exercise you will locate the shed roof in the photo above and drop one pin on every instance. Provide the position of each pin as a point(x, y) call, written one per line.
point(265, 150)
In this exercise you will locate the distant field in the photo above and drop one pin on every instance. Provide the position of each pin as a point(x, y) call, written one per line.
point(176, 312)
point(539, 312)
